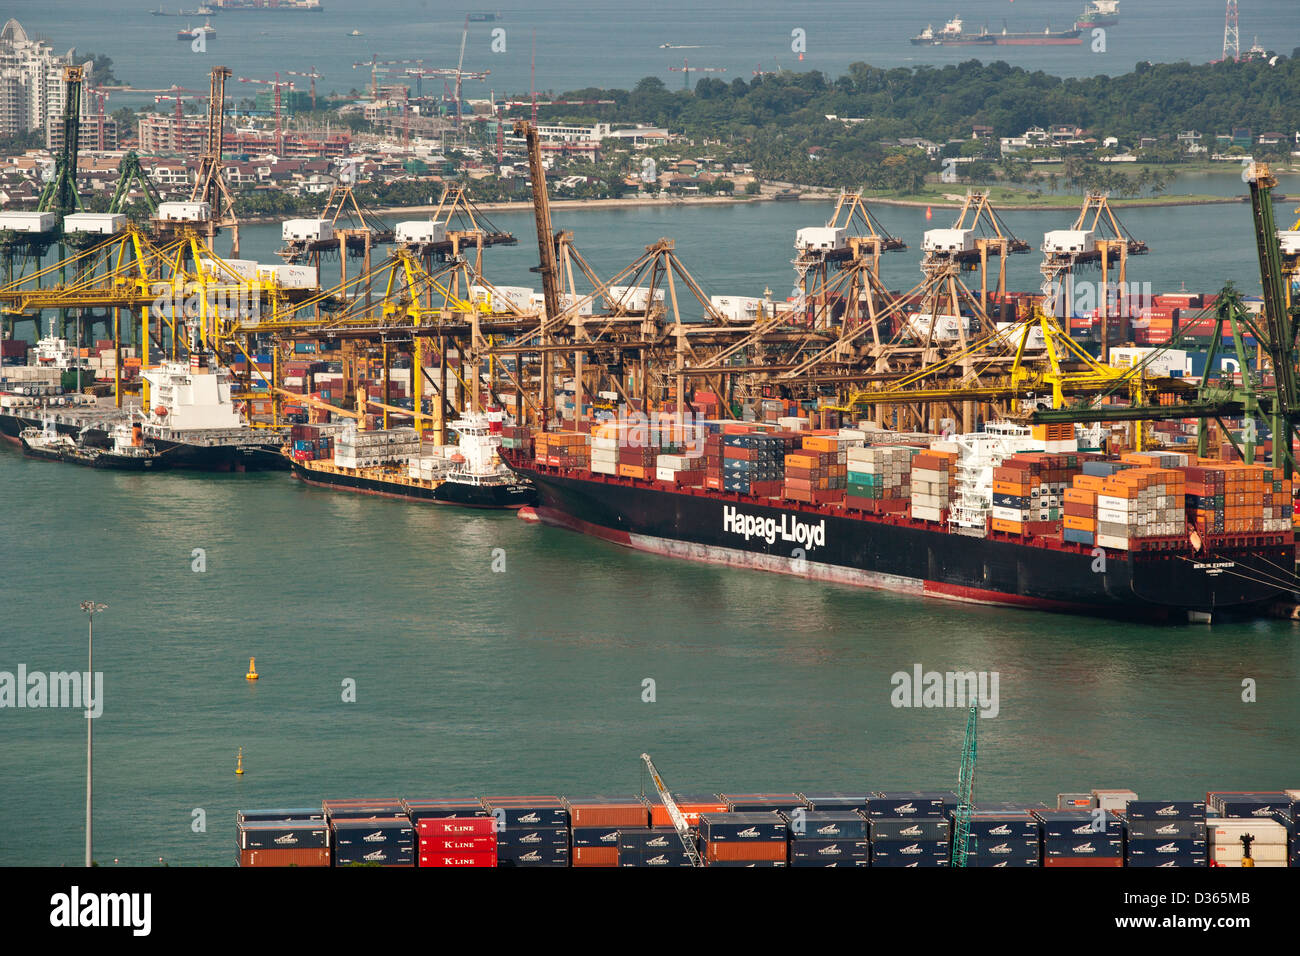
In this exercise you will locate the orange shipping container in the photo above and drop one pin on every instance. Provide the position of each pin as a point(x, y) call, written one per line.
point(727, 850)
point(1008, 527)
point(1077, 523)
point(595, 856)
point(631, 471)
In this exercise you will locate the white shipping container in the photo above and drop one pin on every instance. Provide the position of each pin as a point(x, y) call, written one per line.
point(634, 298)
point(20, 221)
point(287, 276)
point(421, 231)
point(948, 240)
point(184, 211)
point(674, 462)
point(1112, 541)
point(99, 223)
point(1230, 853)
point(1069, 240)
point(604, 468)
point(822, 238)
point(307, 230)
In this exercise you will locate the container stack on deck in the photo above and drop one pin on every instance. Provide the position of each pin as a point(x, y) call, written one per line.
point(369, 449)
point(1081, 838)
point(563, 449)
point(1164, 834)
point(879, 478)
point(932, 484)
point(817, 471)
point(1106, 828)
point(1029, 492)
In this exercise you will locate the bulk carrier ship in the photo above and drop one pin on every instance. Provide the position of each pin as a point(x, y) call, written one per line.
point(1180, 575)
point(953, 34)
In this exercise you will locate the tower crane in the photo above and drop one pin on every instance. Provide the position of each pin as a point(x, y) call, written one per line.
point(674, 814)
point(686, 69)
point(277, 86)
point(313, 76)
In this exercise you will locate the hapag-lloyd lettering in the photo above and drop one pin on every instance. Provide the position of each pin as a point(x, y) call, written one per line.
point(788, 528)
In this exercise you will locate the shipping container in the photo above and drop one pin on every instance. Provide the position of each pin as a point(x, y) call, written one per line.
point(910, 829)
point(743, 827)
point(317, 856)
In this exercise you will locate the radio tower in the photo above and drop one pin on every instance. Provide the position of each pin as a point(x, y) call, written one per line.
point(1231, 46)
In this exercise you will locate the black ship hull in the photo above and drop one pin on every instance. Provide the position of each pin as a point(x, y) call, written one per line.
point(200, 457)
point(897, 554)
point(507, 496)
point(96, 458)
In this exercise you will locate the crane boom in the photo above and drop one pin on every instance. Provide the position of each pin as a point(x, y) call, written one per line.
point(966, 790)
point(674, 814)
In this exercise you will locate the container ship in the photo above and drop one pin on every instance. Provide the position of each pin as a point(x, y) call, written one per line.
point(1098, 13)
point(953, 34)
point(1001, 517)
point(299, 6)
point(395, 463)
point(191, 419)
point(841, 828)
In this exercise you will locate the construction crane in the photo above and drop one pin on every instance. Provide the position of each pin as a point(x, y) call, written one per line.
point(674, 814)
point(60, 193)
point(547, 263)
point(313, 76)
point(277, 86)
point(961, 843)
point(686, 69)
point(460, 63)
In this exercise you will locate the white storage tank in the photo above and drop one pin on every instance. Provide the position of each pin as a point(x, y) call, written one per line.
point(100, 223)
point(33, 222)
point(307, 230)
point(421, 231)
point(948, 240)
point(821, 238)
point(184, 211)
point(1069, 240)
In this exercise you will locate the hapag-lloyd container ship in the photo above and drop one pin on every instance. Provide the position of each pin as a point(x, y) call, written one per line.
point(1187, 575)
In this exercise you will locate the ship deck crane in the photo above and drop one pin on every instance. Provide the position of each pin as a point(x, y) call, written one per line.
point(674, 814)
point(961, 843)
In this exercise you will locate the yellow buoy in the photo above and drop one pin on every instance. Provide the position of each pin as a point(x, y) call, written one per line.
point(239, 761)
point(252, 669)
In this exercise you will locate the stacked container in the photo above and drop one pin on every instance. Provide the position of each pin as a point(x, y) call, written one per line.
point(1273, 810)
point(1029, 492)
point(744, 839)
point(910, 828)
point(531, 831)
point(817, 471)
point(595, 824)
point(452, 832)
point(1081, 838)
point(1139, 504)
point(1234, 498)
point(691, 806)
point(655, 848)
point(1004, 839)
point(369, 449)
point(1164, 833)
point(375, 841)
point(636, 461)
point(752, 463)
point(879, 479)
point(290, 837)
point(932, 484)
point(563, 449)
point(785, 803)
point(828, 838)
point(920, 841)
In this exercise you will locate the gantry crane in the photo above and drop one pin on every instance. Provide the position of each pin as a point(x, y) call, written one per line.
point(60, 193)
point(674, 814)
point(210, 181)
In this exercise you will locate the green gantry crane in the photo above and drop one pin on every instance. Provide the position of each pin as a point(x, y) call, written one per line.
point(962, 842)
point(60, 193)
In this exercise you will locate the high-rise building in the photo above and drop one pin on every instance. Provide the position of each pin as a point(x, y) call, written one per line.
point(31, 83)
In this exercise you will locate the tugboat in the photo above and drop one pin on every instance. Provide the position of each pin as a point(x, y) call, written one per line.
point(207, 31)
point(478, 478)
point(128, 451)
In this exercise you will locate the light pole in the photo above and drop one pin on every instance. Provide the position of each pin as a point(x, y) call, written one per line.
point(91, 609)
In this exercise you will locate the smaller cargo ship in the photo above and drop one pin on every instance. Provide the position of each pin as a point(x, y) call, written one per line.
point(954, 34)
point(128, 451)
point(395, 464)
point(1098, 13)
point(207, 32)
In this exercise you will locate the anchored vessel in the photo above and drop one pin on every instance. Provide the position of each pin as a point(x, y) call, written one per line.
point(1098, 13)
point(953, 34)
point(392, 464)
point(127, 452)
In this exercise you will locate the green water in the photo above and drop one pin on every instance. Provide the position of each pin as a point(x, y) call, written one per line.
point(531, 680)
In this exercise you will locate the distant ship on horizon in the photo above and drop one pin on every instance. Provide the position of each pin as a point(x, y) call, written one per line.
point(953, 34)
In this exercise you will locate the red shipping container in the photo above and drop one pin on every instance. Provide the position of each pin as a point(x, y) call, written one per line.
point(466, 844)
point(449, 860)
point(457, 827)
point(595, 856)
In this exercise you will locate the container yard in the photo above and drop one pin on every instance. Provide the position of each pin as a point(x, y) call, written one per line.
point(904, 829)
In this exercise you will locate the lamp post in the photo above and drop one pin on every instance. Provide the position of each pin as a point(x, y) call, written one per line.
point(91, 609)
